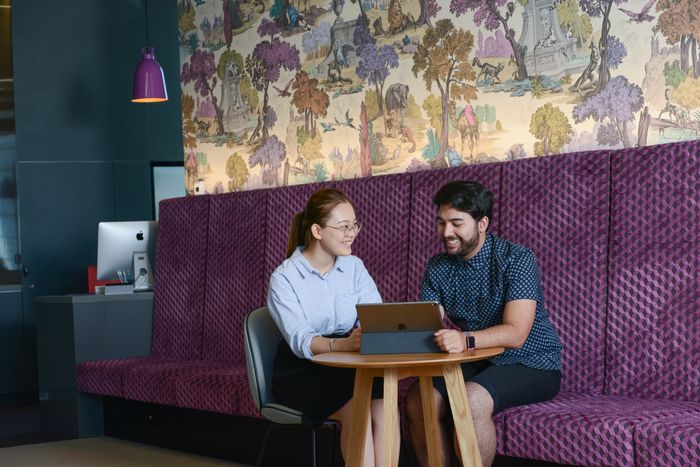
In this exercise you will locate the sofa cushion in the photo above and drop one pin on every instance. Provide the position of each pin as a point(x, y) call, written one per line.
point(672, 441)
point(584, 429)
point(154, 381)
point(558, 207)
point(234, 276)
point(423, 237)
point(214, 390)
point(654, 303)
point(105, 377)
point(178, 304)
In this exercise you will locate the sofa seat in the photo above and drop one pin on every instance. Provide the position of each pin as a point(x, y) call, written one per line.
point(585, 429)
point(105, 377)
point(671, 441)
point(197, 384)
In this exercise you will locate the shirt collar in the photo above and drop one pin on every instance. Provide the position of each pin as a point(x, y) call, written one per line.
point(482, 257)
point(304, 267)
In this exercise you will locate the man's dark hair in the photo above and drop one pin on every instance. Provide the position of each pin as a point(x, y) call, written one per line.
point(466, 196)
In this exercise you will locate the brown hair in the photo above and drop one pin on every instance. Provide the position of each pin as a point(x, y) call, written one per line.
point(317, 210)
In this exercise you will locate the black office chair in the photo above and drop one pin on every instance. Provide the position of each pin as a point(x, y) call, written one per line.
point(261, 338)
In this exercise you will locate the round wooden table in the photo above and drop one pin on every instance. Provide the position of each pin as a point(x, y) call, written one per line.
point(393, 367)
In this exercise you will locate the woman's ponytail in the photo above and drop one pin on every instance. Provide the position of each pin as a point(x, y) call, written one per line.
point(296, 236)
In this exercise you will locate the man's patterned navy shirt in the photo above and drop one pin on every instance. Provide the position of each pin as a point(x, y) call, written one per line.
point(474, 292)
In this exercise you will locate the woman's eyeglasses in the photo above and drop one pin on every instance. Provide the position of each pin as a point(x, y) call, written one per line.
point(348, 230)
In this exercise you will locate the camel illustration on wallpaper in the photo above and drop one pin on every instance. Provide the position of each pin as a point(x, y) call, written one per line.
point(281, 92)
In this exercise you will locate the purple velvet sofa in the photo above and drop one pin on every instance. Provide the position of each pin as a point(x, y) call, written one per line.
point(616, 237)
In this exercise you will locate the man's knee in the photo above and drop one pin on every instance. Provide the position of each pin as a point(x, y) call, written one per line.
point(480, 401)
point(414, 405)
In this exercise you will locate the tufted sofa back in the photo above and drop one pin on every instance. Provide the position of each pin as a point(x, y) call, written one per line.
point(615, 234)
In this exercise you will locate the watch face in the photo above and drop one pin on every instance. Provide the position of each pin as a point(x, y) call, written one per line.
point(470, 343)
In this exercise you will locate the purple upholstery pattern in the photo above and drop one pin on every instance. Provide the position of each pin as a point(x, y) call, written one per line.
point(423, 237)
point(105, 377)
point(669, 442)
point(215, 390)
point(178, 304)
point(154, 380)
point(382, 205)
point(654, 305)
point(558, 207)
point(235, 251)
point(584, 429)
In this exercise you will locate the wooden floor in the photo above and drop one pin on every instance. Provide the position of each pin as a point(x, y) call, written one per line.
point(22, 443)
point(102, 452)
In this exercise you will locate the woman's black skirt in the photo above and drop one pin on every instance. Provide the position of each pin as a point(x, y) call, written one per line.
point(315, 390)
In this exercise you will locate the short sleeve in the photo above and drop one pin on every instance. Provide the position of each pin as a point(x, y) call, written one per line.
point(522, 279)
point(428, 288)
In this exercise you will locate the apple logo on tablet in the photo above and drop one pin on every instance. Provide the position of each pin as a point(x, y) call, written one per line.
point(139, 236)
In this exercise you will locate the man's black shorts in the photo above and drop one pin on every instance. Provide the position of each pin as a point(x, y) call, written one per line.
point(509, 385)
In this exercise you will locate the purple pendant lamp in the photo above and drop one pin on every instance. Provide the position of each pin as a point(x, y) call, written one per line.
point(149, 82)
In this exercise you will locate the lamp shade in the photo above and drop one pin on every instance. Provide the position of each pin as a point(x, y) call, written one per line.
point(149, 82)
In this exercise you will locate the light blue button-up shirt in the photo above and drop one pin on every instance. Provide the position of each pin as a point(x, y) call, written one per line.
point(305, 304)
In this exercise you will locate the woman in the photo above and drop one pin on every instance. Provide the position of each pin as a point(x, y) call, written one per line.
point(312, 298)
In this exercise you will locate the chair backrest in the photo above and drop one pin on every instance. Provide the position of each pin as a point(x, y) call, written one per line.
point(261, 338)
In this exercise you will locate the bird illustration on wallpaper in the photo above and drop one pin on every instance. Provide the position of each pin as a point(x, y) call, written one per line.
point(281, 92)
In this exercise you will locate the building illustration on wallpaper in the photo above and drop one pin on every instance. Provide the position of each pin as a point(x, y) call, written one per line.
point(281, 92)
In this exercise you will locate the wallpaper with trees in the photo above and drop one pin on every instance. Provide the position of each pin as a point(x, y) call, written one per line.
point(282, 92)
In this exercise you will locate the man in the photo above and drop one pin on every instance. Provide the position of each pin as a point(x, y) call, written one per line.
point(490, 289)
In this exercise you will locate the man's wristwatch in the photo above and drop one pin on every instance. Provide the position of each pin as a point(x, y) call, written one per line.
point(471, 345)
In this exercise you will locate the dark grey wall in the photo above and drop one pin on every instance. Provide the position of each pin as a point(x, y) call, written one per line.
point(83, 149)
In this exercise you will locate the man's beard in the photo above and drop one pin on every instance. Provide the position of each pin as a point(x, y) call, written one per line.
point(466, 246)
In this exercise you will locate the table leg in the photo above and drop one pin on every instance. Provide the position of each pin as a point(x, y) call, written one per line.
point(430, 421)
point(462, 415)
point(361, 399)
point(390, 452)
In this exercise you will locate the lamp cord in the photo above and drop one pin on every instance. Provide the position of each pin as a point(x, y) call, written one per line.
point(148, 44)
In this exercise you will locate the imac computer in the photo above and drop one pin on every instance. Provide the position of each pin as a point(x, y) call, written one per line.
point(126, 251)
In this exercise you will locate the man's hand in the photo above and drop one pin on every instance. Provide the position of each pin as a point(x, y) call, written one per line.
point(450, 341)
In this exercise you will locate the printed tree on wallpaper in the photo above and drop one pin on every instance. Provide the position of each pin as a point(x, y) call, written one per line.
point(237, 172)
point(375, 62)
point(488, 14)
point(601, 9)
point(309, 100)
point(269, 57)
point(443, 58)
point(201, 69)
point(269, 156)
point(428, 9)
point(189, 128)
point(614, 107)
point(233, 19)
point(679, 22)
point(552, 129)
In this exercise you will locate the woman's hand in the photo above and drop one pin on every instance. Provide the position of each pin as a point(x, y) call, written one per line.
point(450, 341)
point(350, 343)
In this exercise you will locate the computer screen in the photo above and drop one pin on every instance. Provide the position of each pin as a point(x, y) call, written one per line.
point(168, 181)
point(116, 244)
